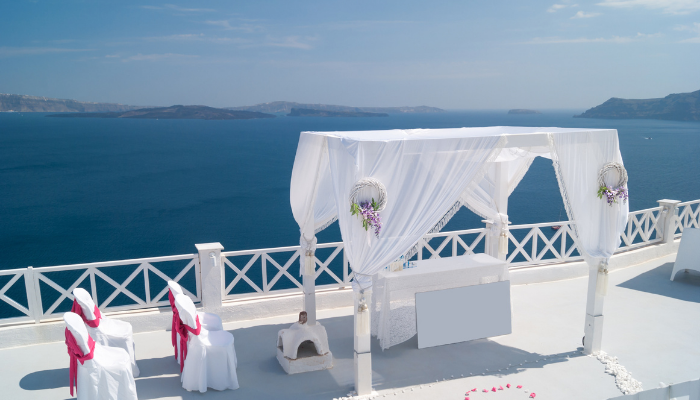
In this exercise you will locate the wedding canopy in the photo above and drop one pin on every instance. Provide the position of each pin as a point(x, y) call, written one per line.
point(426, 176)
point(430, 173)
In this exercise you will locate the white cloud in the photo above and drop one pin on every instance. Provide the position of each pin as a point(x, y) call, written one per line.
point(695, 28)
point(612, 39)
point(226, 25)
point(174, 7)
point(158, 57)
point(582, 14)
point(556, 7)
point(26, 51)
point(196, 37)
point(292, 42)
point(667, 6)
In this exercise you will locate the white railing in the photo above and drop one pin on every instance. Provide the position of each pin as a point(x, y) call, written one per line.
point(457, 239)
point(285, 264)
point(26, 313)
point(47, 299)
point(538, 248)
point(142, 283)
point(643, 228)
point(688, 216)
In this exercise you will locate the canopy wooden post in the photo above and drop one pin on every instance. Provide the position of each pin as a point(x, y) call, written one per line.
point(308, 256)
point(593, 330)
point(501, 199)
point(363, 354)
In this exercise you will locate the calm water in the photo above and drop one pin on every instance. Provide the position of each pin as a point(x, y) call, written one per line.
point(84, 190)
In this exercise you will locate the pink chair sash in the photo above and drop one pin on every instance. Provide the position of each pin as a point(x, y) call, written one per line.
point(183, 329)
point(176, 321)
point(79, 310)
point(76, 354)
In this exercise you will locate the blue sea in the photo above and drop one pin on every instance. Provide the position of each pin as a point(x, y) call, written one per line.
point(86, 190)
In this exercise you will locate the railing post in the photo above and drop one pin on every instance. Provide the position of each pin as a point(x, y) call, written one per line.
point(669, 211)
point(32, 303)
point(211, 271)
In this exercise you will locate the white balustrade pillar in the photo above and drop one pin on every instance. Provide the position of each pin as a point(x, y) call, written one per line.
point(212, 279)
point(667, 221)
point(363, 354)
point(33, 301)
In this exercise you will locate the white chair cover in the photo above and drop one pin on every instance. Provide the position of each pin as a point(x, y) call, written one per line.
point(109, 332)
point(108, 375)
point(211, 357)
point(209, 321)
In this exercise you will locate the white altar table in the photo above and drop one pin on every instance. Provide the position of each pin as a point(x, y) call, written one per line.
point(393, 300)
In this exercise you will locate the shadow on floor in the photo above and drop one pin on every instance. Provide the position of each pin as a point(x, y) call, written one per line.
point(658, 281)
point(46, 379)
point(261, 376)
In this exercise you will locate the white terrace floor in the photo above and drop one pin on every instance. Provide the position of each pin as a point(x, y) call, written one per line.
point(651, 324)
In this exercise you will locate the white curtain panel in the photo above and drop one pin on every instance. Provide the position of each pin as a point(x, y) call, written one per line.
point(577, 158)
point(423, 179)
point(311, 184)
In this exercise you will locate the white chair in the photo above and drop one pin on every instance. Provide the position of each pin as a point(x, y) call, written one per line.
point(209, 321)
point(105, 331)
point(208, 357)
point(98, 372)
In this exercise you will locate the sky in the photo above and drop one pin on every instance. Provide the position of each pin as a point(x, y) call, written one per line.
point(450, 54)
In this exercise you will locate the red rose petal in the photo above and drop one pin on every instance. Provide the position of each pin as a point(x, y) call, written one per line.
point(520, 386)
point(486, 390)
point(532, 395)
point(508, 386)
point(474, 390)
point(500, 388)
point(493, 389)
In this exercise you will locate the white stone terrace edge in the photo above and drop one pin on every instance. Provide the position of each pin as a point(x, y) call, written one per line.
point(643, 240)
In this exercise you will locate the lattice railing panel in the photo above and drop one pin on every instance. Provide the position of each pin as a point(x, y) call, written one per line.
point(119, 285)
point(643, 228)
point(688, 216)
point(14, 305)
point(276, 271)
point(541, 244)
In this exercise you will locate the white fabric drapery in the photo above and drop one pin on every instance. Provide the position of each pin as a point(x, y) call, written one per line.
point(577, 158)
point(429, 173)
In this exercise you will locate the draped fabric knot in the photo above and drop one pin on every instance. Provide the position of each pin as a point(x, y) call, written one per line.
point(501, 226)
point(601, 286)
point(76, 354)
point(176, 322)
point(183, 330)
point(79, 310)
point(308, 247)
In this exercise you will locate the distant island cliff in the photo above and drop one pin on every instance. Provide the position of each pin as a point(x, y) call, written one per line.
point(287, 106)
point(173, 112)
point(523, 111)
point(676, 107)
point(305, 112)
point(22, 103)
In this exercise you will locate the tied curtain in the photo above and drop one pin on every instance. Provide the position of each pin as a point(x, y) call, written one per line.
point(577, 159)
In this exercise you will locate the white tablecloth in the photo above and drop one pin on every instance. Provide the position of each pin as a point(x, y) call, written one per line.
point(393, 298)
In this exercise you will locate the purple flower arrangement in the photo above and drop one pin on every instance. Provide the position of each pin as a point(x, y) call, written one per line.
point(612, 195)
point(369, 214)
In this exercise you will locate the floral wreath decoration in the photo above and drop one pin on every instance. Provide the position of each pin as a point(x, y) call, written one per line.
point(619, 191)
point(366, 210)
